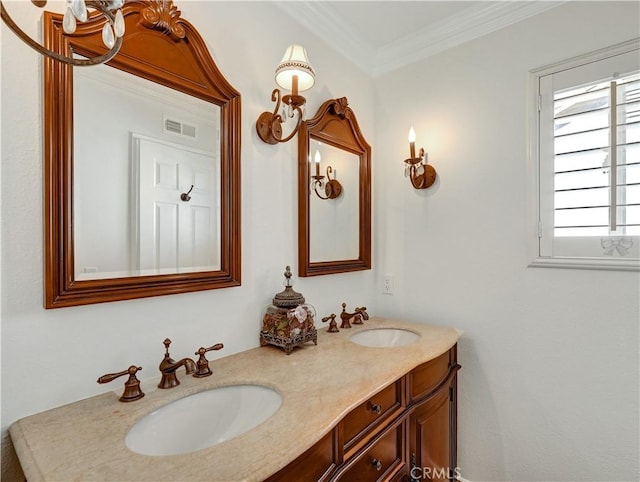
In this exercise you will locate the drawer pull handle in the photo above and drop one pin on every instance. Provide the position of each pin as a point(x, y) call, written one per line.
point(376, 408)
point(377, 464)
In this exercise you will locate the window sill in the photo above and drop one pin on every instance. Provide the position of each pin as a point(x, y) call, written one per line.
point(610, 264)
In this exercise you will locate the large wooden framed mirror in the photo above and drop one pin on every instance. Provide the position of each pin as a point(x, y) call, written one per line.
point(142, 163)
point(334, 234)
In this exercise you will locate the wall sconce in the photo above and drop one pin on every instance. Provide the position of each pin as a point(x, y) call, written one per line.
point(332, 188)
point(112, 31)
point(422, 175)
point(294, 73)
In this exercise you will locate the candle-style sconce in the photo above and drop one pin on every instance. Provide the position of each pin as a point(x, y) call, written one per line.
point(332, 187)
point(293, 73)
point(421, 174)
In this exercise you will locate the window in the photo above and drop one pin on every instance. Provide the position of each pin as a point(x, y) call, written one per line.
point(587, 154)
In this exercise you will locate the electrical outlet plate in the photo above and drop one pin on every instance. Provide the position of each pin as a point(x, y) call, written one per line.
point(387, 284)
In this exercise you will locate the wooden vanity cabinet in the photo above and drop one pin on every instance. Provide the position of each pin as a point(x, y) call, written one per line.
point(433, 419)
point(410, 423)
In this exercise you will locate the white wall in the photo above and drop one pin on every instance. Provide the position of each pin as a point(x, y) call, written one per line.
point(549, 385)
point(549, 382)
point(52, 357)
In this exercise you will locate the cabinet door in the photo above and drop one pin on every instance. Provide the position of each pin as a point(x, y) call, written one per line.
point(432, 443)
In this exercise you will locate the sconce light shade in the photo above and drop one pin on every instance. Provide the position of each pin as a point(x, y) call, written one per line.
point(293, 74)
point(295, 63)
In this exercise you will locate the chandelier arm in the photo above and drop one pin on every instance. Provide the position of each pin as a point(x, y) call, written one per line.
point(63, 58)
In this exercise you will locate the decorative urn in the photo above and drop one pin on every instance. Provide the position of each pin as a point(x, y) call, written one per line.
point(288, 321)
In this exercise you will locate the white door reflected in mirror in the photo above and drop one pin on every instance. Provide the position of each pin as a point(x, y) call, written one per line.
point(121, 124)
point(175, 230)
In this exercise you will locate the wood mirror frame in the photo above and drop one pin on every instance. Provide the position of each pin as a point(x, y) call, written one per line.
point(164, 48)
point(334, 124)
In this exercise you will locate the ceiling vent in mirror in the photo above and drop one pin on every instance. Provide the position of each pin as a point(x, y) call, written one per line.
point(173, 126)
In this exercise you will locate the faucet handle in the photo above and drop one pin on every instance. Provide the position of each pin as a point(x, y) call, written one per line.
point(132, 389)
point(202, 364)
point(333, 326)
point(166, 343)
point(363, 312)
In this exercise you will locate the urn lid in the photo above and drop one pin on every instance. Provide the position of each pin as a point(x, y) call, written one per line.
point(288, 298)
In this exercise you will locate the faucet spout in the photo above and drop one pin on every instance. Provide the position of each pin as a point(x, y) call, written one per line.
point(171, 366)
point(168, 367)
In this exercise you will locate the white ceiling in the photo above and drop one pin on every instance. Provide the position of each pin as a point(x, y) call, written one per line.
point(381, 36)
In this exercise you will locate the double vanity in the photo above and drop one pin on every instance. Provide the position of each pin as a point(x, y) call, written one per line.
point(374, 402)
point(368, 403)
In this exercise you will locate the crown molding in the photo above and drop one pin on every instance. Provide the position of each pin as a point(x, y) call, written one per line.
point(325, 22)
point(473, 22)
point(470, 23)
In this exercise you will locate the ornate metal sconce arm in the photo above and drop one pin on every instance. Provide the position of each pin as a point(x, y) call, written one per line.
point(422, 175)
point(269, 124)
point(332, 189)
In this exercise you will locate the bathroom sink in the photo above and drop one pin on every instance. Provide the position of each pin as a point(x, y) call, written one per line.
point(384, 337)
point(202, 420)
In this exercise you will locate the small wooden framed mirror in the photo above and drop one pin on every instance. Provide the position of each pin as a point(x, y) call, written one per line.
point(334, 210)
point(142, 163)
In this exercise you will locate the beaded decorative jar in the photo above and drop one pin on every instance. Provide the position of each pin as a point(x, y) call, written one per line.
point(288, 321)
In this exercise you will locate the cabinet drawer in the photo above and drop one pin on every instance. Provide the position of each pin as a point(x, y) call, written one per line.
point(366, 416)
point(428, 376)
point(383, 460)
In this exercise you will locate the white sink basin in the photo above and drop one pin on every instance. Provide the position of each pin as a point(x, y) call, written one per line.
point(384, 337)
point(202, 420)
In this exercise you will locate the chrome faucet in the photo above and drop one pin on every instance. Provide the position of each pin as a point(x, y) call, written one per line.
point(168, 367)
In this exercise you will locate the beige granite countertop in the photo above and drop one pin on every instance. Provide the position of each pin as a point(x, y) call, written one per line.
point(84, 440)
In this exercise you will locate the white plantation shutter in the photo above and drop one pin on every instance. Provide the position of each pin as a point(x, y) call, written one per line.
point(589, 160)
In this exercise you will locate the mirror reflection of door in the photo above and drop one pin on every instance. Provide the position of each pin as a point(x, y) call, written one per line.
point(177, 204)
point(110, 105)
point(335, 234)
